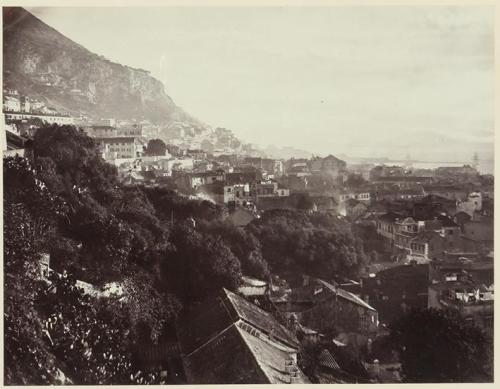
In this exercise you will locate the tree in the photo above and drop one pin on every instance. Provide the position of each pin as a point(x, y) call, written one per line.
point(91, 337)
point(76, 160)
point(354, 180)
point(243, 244)
point(318, 245)
point(198, 265)
point(156, 147)
point(27, 358)
point(169, 204)
point(371, 240)
point(148, 310)
point(304, 202)
point(439, 346)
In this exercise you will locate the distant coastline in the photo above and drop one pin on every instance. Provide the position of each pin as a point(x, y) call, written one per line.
point(485, 166)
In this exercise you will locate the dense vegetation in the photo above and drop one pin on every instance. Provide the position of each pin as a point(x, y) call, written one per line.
point(439, 346)
point(156, 147)
point(166, 252)
point(315, 244)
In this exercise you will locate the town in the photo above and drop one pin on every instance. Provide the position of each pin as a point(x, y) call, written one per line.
point(434, 229)
point(142, 246)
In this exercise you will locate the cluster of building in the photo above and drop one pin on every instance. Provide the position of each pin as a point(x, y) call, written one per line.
point(17, 107)
point(441, 243)
point(422, 230)
point(256, 335)
point(436, 225)
point(119, 139)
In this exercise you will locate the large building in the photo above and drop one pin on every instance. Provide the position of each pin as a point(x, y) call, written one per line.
point(100, 131)
point(330, 165)
point(53, 118)
point(418, 238)
point(119, 147)
point(131, 130)
point(323, 307)
point(11, 104)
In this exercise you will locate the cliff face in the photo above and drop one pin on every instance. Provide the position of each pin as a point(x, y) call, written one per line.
point(41, 62)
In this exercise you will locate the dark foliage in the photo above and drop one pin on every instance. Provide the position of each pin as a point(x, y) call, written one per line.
point(156, 147)
point(199, 265)
point(164, 250)
point(318, 245)
point(372, 242)
point(439, 346)
point(243, 244)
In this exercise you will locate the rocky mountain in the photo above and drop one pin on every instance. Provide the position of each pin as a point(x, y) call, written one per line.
point(42, 63)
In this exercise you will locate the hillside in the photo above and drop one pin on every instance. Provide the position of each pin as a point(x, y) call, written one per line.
point(41, 62)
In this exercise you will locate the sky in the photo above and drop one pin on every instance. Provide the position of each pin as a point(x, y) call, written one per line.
point(360, 81)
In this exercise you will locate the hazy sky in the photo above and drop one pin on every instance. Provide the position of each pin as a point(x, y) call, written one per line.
point(364, 81)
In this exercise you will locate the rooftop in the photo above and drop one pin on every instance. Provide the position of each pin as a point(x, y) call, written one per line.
point(347, 295)
point(116, 139)
point(271, 357)
point(207, 320)
point(230, 340)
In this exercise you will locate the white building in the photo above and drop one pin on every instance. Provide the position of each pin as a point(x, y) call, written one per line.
point(119, 147)
point(51, 119)
point(11, 104)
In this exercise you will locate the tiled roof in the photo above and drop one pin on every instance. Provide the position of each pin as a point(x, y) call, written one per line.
point(273, 359)
point(202, 323)
point(259, 318)
point(347, 295)
point(326, 359)
point(253, 281)
point(231, 341)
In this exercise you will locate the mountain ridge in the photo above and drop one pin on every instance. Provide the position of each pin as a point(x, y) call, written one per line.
point(40, 61)
point(44, 64)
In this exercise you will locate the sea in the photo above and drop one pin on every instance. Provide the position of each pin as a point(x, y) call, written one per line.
point(486, 166)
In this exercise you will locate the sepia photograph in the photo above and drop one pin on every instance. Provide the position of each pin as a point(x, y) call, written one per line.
point(267, 194)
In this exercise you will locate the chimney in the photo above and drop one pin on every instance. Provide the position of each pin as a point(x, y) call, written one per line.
point(292, 370)
point(294, 377)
